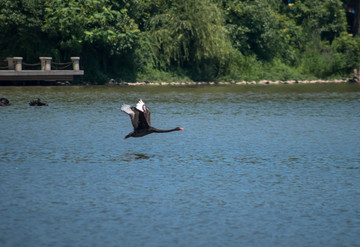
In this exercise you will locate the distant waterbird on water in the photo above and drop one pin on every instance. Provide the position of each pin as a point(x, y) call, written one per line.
point(4, 102)
point(140, 119)
point(37, 102)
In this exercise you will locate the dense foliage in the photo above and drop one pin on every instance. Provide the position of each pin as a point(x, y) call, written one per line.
point(171, 40)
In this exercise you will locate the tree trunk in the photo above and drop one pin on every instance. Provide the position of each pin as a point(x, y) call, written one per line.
point(356, 27)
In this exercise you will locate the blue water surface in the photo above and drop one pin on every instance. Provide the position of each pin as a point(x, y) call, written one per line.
point(275, 165)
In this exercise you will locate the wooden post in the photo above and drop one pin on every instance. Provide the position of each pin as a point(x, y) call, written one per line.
point(76, 63)
point(18, 63)
point(10, 61)
point(45, 63)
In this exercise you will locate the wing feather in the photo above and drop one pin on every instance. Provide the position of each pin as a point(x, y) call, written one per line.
point(127, 109)
point(143, 108)
point(140, 115)
point(133, 113)
point(140, 105)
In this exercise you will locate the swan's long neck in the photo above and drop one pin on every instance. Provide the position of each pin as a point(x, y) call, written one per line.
point(155, 130)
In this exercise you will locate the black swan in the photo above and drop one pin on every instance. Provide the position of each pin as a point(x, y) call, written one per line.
point(37, 103)
point(140, 119)
point(4, 102)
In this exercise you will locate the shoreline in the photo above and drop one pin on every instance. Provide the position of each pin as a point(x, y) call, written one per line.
point(112, 82)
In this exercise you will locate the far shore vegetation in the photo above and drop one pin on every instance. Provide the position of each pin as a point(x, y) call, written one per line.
point(187, 40)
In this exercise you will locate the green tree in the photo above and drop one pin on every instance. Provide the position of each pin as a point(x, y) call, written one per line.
point(257, 27)
point(100, 30)
point(200, 39)
point(346, 52)
point(20, 29)
point(100, 22)
point(191, 34)
point(326, 17)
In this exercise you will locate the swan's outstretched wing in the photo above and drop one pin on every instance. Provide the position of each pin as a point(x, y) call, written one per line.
point(133, 113)
point(127, 109)
point(140, 105)
point(143, 108)
point(139, 115)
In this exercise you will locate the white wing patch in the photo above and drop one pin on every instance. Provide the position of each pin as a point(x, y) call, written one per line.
point(127, 109)
point(140, 105)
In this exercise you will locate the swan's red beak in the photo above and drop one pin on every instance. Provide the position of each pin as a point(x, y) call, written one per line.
point(181, 128)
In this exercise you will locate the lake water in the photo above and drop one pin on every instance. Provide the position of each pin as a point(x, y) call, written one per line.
point(255, 165)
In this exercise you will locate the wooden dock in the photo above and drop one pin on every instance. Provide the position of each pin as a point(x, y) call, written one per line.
point(15, 72)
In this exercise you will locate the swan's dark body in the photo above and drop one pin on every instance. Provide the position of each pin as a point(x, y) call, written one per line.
point(37, 103)
point(4, 102)
point(140, 119)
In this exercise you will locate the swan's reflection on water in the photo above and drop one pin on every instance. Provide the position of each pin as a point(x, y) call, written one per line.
point(137, 156)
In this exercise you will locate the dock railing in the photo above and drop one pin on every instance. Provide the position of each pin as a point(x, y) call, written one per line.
point(14, 70)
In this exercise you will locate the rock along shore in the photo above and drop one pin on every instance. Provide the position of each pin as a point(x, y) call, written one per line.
point(112, 82)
